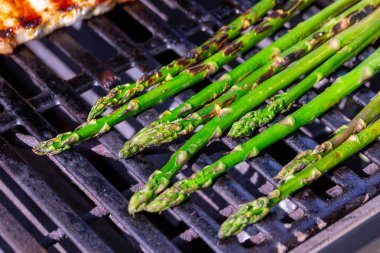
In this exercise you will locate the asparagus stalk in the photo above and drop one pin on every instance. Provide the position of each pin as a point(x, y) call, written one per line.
point(184, 80)
point(304, 159)
point(256, 210)
point(168, 131)
point(122, 93)
point(280, 103)
point(159, 180)
point(302, 30)
point(201, 179)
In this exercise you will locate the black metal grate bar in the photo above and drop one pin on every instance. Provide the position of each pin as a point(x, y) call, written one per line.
point(50, 203)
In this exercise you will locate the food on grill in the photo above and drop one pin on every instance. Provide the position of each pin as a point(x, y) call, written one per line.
point(304, 159)
point(256, 210)
point(24, 20)
point(166, 131)
point(122, 93)
point(184, 80)
point(332, 95)
point(246, 87)
point(280, 103)
point(215, 128)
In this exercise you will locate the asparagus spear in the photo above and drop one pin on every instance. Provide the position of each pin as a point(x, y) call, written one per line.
point(256, 210)
point(159, 180)
point(240, 72)
point(168, 131)
point(280, 103)
point(303, 159)
point(201, 179)
point(184, 80)
point(122, 93)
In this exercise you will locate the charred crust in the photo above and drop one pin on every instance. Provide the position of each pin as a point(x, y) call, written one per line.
point(277, 2)
point(356, 16)
point(67, 6)
point(293, 56)
point(188, 59)
point(142, 79)
point(340, 26)
point(262, 28)
point(318, 35)
point(292, 5)
point(370, 8)
point(7, 33)
point(352, 18)
point(224, 29)
point(205, 47)
point(229, 101)
point(265, 76)
point(215, 111)
point(183, 62)
point(277, 14)
point(197, 69)
point(191, 55)
point(153, 76)
point(221, 40)
point(233, 48)
point(30, 21)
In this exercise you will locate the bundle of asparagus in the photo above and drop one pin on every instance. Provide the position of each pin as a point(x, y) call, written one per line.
point(159, 180)
point(122, 93)
point(239, 73)
point(332, 95)
point(280, 103)
point(303, 159)
point(165, 129)
point(351, 142)
point(185, 79)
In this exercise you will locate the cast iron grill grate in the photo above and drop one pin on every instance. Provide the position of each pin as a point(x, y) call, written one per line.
point(77, 201)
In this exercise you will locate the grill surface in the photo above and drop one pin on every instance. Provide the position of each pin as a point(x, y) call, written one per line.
point(77, 201)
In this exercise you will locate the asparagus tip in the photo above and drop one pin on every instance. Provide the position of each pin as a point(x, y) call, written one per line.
point(156, 184)
point(169, 198)
point(156, 206)
point(127, 150)
point(138, 200)
point(95, 111)
point(56, 145)
point(248, 213)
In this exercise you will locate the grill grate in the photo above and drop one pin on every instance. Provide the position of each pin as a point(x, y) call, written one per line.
point(77, 201)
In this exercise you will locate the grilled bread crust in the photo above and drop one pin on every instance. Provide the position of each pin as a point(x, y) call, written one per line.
point(24, 20)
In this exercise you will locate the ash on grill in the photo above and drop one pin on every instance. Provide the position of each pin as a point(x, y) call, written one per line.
point(77, 201)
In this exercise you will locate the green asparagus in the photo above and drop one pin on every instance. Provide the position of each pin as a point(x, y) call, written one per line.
point(302, 30)
point(256, 210)
point(122, 93)
point(160, 179)
point(184, 80)
point(168, 131)
point(303, 159)
point(280, 103)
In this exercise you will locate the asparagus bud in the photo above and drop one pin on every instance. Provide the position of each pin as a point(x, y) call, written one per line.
point(256, 210)
point(122, 93)
point(204, 178)
point(302, 160)
point(229, 115)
